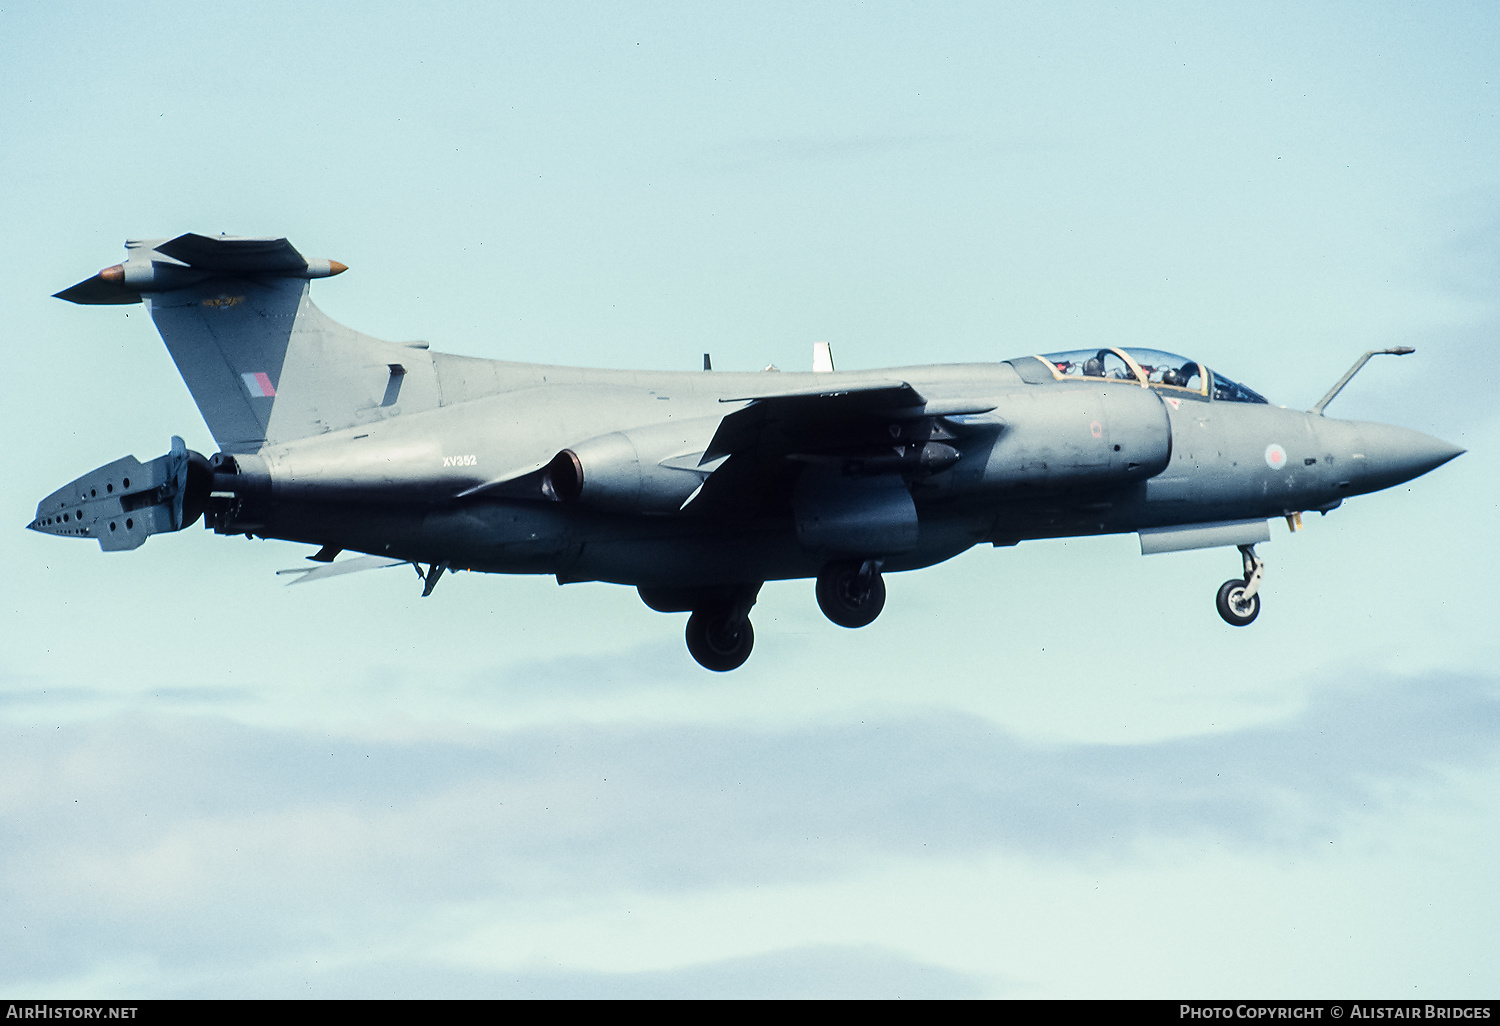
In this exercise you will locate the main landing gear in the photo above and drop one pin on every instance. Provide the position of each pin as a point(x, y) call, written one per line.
point(1239, 599)
point(851, 593)
point(719, 634)
point(720, 639)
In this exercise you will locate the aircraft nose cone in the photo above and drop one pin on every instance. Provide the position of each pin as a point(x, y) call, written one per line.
point(1394, 454)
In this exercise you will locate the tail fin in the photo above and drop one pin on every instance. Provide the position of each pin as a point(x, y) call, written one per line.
point(263, 363)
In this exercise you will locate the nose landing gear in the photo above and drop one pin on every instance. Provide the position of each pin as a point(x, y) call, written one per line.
point(1239, 599)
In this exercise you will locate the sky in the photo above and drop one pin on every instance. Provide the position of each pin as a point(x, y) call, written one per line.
point(1045, 771)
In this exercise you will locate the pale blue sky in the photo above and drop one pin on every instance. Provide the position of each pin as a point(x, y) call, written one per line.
point(214, 785)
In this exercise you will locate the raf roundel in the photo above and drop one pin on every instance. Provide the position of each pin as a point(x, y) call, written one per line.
point(1275, 456)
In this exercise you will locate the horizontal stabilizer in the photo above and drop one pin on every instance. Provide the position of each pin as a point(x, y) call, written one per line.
point(159, 266)
point(338, 569)
point(233, 255)
point(99, 291)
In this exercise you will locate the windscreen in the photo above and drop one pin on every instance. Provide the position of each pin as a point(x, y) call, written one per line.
point(1226, 391)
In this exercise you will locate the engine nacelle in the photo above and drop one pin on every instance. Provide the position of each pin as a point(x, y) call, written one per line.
point(1064, 436)
point(652, 469)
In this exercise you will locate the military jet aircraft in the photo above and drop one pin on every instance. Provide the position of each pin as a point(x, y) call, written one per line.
point(694, 487)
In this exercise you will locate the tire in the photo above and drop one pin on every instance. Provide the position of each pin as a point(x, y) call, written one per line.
point(843, 600)
point(719, 641)
point(1232, 607)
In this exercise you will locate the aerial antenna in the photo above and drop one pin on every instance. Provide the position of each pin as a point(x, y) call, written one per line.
point(707, 363)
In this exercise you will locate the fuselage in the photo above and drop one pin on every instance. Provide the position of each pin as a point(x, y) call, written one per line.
point(1053, 458)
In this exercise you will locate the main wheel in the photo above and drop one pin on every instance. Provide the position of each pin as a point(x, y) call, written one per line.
point(848, 600)
point(719, 640)
point(1236, 610)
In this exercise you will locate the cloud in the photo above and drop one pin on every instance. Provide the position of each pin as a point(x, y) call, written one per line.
point(656, 664)
point(824, 971)
point(210, 845)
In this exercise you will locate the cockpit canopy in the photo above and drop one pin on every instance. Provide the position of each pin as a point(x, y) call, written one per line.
point(1149, 367)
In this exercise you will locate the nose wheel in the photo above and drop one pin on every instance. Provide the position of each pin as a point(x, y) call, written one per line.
point(1239, 600)
point(851, 594)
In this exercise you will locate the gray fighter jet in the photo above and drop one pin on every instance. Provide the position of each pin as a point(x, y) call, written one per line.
point(693, 487)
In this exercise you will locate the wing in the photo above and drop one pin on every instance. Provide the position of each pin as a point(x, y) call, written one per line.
point(804, 414)
point(879, 427)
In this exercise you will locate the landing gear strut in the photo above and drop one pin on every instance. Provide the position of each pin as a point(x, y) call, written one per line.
point(851, 593)
point(1239, 600)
